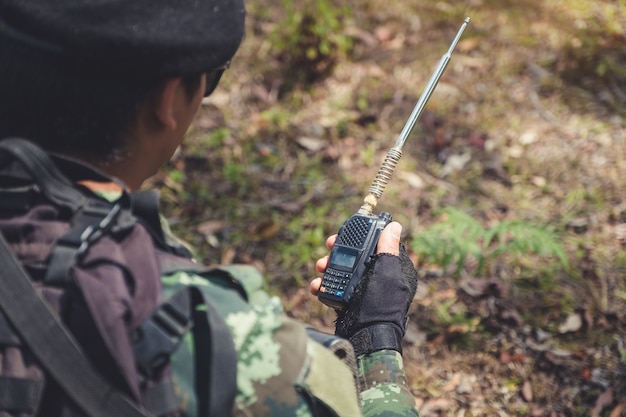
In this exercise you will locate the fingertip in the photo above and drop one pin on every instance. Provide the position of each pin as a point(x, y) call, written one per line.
point(395, 228)
point(314, 286)
point(389, 241)
point(321, 264)
point(331, 241)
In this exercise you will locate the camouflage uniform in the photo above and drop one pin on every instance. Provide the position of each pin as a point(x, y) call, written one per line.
point(282, 372)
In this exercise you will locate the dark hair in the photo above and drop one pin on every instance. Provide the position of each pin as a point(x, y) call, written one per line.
point(64, 107)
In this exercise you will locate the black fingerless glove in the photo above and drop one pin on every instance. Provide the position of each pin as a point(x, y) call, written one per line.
point(376, 316)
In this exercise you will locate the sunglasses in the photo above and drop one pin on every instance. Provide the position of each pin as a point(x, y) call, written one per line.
point(213, 78)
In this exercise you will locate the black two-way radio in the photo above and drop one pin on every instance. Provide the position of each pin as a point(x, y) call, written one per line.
point(358, 236)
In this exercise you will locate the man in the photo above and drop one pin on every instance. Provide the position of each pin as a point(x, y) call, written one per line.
point(115, 84)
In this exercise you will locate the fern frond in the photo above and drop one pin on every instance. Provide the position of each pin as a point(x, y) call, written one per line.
point(459, 236)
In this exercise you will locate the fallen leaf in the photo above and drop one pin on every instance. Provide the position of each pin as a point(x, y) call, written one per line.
point(210, 227)
point(228, 256)
point(459, 328)
point(469, 44)
point(445, 294)
point(413, 179)
point(452, 383)
point(362, 35)
point(263, 230)
point(527, 391)
point(383, 33)
point(506, 357)
point(604, 400)
point(617, 411)
point(528, 137)
point(466, 385)
point(455, 163)
point(311, 144)
point(435, 406)
point(573, 323)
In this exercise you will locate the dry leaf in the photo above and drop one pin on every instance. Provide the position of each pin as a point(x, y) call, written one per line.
point(311, 144)
point(435, 406)
point(445, 294)
point(527, 392)
point(454, 382)
point(467, 384)
point(468, 44)
point(617, 411)
point(455, 163)
point(263, 230)
point(383, 33)
point(210, 227)
point(228, 256)
point(413, 179)
point(604, 400)
point(573, 323)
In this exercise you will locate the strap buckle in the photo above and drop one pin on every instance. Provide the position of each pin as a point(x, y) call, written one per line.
point(88, 225)
point(94, 232)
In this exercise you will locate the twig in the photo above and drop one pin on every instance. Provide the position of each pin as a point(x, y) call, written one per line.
point(534, 99)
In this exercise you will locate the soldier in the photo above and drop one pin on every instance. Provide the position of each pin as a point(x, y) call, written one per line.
point(115, 84)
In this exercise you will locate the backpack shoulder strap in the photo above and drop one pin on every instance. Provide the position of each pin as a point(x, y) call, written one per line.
point(216, 367)
point(216, 372)
point(54, 346)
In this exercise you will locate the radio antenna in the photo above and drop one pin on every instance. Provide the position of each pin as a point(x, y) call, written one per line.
point(393, 155)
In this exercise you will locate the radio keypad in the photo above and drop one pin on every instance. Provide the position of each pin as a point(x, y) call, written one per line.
point(335, 282)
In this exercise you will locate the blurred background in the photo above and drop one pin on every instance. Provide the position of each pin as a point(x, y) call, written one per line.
point(511, 188)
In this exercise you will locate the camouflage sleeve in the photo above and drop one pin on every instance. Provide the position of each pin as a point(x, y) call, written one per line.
point(383, 386)
point(280, 371)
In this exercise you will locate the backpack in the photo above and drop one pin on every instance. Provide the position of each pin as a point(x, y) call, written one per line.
point(83, 328)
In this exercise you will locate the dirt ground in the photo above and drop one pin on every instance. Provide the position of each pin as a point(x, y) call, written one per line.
point(528, 122)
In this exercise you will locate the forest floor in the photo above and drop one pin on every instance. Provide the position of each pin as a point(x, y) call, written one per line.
point(527, 125)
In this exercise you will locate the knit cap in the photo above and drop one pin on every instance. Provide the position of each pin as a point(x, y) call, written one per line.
point(154, 38)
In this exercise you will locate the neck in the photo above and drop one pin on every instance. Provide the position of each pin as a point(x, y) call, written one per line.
point(116, 166)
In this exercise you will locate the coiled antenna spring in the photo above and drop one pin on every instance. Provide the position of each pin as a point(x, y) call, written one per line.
point(382, 179)
point(384, 173)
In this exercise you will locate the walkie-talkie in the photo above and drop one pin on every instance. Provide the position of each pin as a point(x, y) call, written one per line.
point(358, 236)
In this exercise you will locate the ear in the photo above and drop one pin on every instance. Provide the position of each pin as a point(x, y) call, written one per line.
point(165, 102)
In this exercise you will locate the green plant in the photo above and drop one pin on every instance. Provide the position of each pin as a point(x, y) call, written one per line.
point(451, 313)
point(310, 39)
point(216, 138)
point(459, 236)
point(234, 173)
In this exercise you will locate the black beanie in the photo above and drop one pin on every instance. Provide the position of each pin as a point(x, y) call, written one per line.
point(146, 38)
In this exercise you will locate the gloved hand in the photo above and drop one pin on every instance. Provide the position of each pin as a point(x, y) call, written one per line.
point(376, 317)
